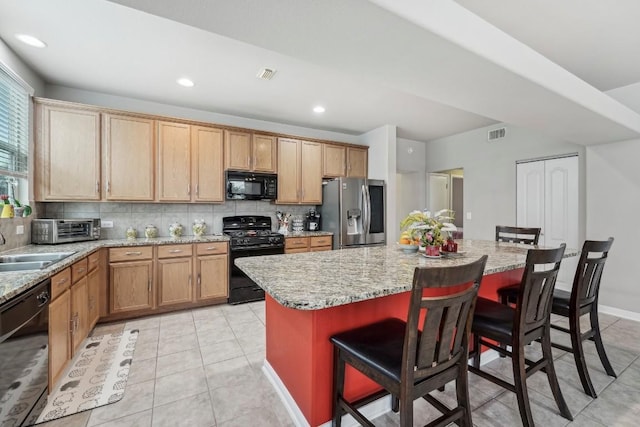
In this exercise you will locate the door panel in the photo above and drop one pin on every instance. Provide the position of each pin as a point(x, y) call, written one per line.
point(438, 192)
point(530, 196)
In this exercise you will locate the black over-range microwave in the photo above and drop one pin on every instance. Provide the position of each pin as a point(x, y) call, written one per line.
point(251, 186)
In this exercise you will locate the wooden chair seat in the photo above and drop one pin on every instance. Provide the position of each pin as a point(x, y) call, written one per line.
point(494, 319)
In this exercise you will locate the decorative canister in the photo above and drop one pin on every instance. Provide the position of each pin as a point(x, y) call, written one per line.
point(150, 231)
point(199, 227)
point(131, 233)
point(175, 230)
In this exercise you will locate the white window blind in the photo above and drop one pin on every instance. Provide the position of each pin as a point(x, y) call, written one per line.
point(14, 127)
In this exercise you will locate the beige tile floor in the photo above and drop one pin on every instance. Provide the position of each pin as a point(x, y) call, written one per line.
point(202, 367)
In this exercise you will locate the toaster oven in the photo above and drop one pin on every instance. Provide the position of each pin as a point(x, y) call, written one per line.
point(54, 231)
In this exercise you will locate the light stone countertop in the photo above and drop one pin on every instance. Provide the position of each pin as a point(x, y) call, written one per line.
point(16, 282)
point(317, 280)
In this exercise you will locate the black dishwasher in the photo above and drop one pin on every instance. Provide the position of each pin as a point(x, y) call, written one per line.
point(23, 354)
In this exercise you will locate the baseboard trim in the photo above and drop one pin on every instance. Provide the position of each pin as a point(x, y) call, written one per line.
point(372, 410)
point(625, 314)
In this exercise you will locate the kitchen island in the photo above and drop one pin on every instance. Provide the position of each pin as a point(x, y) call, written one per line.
point(311, 296)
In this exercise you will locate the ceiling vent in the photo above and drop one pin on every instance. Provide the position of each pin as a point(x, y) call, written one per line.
point(266, 74)
point(496, 134)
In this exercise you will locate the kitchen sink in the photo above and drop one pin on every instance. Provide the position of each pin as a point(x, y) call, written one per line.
point(28, 258)
point(22, 266)
point(23, 262)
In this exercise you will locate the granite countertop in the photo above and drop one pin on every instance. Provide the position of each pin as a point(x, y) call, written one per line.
point(317, 280)
point(308, 234)
point(16, 282)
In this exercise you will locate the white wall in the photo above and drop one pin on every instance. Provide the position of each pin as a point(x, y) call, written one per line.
point(11, 61)
point(382, 165)
point(613, 203)
point(148, 107)
point(490, 172)
point(411, 185)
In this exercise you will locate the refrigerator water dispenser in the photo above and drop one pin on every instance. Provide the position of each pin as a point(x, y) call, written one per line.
point(353, 221)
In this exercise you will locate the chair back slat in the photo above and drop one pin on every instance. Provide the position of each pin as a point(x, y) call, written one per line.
point(536, 290)
point(526, 235)
point(447, 318)
point(586, 282)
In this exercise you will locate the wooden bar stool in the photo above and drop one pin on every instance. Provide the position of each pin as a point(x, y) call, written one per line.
point(526, 235)
point(410, 359)
point(517, 327)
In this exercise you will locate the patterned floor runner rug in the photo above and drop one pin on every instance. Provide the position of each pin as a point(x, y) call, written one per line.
point(97, 377)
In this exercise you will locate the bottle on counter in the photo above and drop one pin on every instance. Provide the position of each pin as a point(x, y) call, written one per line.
point(199, 227)
point(131, 233)
point(175, 230)
point(150, 231)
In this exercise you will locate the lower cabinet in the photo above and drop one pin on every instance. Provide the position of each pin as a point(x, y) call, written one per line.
point(293, 245)
point(175, 270)
point(59, 334)
point(79, 313)
point(130, 279)
point(148, 279)
point(94, 279)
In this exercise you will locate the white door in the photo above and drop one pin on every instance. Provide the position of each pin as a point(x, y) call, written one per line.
point(438, 192)
point(547, 197)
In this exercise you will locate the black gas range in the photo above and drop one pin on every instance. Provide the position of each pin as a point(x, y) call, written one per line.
point(250, 236)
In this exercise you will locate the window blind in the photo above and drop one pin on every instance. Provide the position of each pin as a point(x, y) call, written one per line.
point(14, 127)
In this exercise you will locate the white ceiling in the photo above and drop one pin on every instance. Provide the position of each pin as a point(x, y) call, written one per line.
point(429, 67)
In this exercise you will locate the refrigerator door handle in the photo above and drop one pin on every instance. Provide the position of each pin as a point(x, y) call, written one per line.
point(367, 212)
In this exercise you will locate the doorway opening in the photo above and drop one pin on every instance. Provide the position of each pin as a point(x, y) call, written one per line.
point(446, 191)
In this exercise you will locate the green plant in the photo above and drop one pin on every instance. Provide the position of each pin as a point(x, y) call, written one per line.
point(431, 230)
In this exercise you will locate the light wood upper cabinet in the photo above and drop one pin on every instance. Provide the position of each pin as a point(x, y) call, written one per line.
point(264, 150)
point(299, 172)
point(129, 157)
point(207, 175)
point(67, 152)
point(334, 160)
point(356, 162)
point(174, 162)
point(249, 152)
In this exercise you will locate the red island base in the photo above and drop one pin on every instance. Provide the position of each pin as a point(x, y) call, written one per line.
point(300, 354)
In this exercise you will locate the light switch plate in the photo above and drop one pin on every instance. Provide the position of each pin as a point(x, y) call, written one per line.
point(106, 224)
point(468, 215)
point(19, 229)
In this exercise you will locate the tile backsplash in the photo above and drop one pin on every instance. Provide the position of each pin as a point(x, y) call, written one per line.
point(138, 215)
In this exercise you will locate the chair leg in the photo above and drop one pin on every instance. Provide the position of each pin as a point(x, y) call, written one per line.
point(462, 393)
point(597, 338)
point(504, 300)
point(406, 409)
point(551, 375)
point(395, 403)
point(338, 387)
point(520, 383)
point(476, 351)
point(578, 354)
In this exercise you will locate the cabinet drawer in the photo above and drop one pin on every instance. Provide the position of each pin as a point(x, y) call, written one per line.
point(60, 283)
point(130, 253)
point(320, 241)
point(296, 250)
point(320, 249)
point(213, 248)
point(296, 242)
point(93, 260)
point(174, 251)
point(79, 270)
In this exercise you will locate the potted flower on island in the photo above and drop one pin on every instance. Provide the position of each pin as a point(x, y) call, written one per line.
point(7, 207)
point(431, 230)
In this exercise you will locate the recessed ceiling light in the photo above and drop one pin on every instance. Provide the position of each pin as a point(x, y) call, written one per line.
point(185, 82)
point(318, 109)
point(30, 40)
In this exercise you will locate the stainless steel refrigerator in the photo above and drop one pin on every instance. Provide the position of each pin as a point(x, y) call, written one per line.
point(353, 209)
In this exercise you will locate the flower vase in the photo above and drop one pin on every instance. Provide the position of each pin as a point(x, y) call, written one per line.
point(432, 251)
point(7, 211)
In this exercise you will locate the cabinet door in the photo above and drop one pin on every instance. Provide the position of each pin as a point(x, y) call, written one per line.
point(357, 162)
point(237, 150)
point(174, 162)
point(93, 291)
point(311, 173)
point(131, 286)
point(334, 160)
point(174, 281)
point(79, 313)
point(129, 157)
point(264, 153)
point(59, 336)
point(207, 173)
point(212, 274)
point(288, 165)
point(68, 154)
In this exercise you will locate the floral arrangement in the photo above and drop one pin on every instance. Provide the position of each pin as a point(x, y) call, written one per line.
point(4, 198)
point(431, 230)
